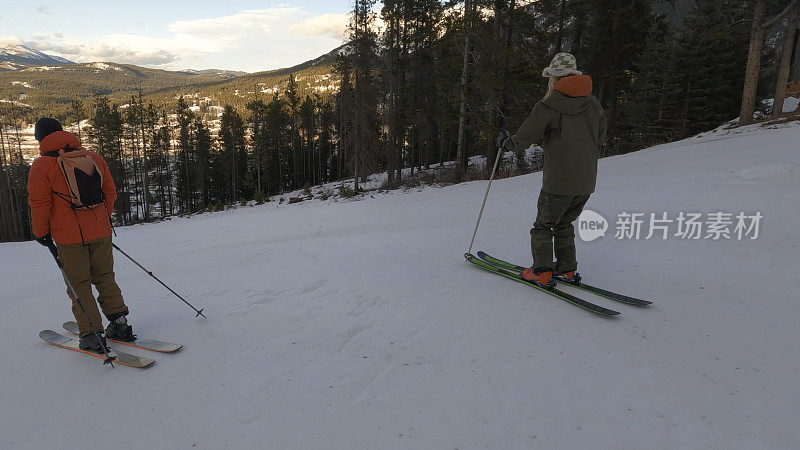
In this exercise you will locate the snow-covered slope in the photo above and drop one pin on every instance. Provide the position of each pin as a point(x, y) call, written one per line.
point(359, 325)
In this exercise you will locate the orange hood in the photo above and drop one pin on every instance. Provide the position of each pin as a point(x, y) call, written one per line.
point(575, 85)
point(57, 141)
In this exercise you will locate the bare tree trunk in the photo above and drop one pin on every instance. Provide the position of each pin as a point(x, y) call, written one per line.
point(753, 65)
point(145, 175)
point(495, 90)
point(76, 105)
point(461, 152)
point(786, 56)
point(258, 166)
point(26, 218)
point(561, 15)
point(11, 223)
point(170, 147)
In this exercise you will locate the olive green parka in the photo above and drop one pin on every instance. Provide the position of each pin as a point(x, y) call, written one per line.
point(571, 125)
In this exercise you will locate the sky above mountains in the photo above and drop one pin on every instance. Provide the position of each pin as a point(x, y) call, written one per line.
point(235, 34)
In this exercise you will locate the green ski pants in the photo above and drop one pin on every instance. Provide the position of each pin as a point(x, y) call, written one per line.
point(554, 224)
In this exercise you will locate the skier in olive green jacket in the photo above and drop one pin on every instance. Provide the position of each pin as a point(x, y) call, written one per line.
point(571, 125)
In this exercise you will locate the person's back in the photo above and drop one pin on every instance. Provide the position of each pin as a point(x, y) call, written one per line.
point(571, 124)
point(51, 210)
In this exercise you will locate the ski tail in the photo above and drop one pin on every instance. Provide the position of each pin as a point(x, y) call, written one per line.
point(499, 262)
point(125, 359)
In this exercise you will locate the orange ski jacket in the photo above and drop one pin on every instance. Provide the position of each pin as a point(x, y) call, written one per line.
point(53, 213)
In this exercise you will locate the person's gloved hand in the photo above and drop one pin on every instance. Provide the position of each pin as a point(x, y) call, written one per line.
point(502, 139)
point(46, 240)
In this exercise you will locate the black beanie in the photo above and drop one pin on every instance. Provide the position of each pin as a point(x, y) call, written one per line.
point(45, 126)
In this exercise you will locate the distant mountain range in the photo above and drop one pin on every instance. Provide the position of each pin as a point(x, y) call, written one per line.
point(44, 84)
point(15, 57)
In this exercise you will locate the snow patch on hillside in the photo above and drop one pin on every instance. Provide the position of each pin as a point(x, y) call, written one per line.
point(41, 68)
point(105, 66)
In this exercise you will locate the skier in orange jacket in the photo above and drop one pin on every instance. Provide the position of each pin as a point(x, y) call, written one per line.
point(59, 180)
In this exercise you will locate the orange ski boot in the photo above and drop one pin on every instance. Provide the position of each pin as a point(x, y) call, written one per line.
point(571, 277)
point(542, 277)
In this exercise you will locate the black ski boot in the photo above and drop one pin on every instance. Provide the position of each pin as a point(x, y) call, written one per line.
point(119, 330)
point(90, 343)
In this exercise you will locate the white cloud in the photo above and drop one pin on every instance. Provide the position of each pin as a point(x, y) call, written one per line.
point(127, 49)
point(240, 24)
point(333, 25)
point(9, 40)
point(261, 38)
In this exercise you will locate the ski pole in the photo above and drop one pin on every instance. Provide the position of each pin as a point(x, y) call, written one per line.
point(110, 357)
point(198, 311)
point(485, 196)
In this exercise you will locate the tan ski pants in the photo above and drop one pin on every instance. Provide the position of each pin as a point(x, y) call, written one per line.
point(92, 264)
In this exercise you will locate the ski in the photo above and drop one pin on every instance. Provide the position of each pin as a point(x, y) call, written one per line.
point(579, 284)
point(554, 292)
point(146, 344)
point(125, 359)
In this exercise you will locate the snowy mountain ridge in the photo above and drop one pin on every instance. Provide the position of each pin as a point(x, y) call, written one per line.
point(17, 56)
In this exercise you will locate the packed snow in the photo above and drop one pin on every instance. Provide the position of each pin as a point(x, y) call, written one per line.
point(790, 104)
point(359, 325)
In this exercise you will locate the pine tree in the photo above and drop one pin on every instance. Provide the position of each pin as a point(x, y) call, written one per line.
point(712, 45)
point(308, 128)
point(616, 38)
point(344, 114)
point(105, 136)
point(365, 102)
point(293, 101)
point(201, 143)
point(185, 165)
point(232, 143)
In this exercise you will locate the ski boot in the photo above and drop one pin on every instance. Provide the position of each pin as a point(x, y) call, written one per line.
point(571, 277)
point(119, 330)
point(90, 343)
point(540, 277)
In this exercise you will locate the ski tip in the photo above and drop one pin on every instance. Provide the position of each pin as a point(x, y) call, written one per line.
point(46, 334)
point(468, 256)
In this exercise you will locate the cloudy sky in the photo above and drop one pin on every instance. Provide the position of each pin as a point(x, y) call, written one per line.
point(169, 34)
